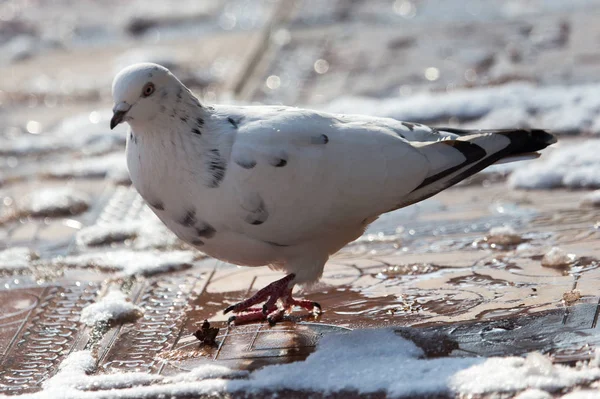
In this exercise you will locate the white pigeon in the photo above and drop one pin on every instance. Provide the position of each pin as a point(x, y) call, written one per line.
point(282, 186)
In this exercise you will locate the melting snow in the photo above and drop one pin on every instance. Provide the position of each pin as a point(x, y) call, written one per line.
point(583, 394)
point(503, 235)
point(112, 308)
point(560, 108)
point(16, 258)
point(90, 132)
point(512, 374)
point(132, 262)
point(534, 394)
point(52, 202)
point(111, 165)
point(557, 258)
point(87, 132)
point(149, 233)
point(591, 199)
point(572, 166)
point(362, 361)
point(97, 235)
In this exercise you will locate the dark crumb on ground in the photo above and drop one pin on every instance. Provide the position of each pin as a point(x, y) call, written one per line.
point(207, 334)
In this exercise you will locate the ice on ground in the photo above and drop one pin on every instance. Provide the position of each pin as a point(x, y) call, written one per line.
point(557, 258)
point(560, 108)
point(361, 361)
point(111, 165)
point(131, 262)
point(112, 308)
point(513, 374)
point(571, 166)
point(591, 199)
point(16, 258)
point(53, 202)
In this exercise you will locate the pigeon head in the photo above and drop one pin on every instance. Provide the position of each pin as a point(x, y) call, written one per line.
point(140, 91)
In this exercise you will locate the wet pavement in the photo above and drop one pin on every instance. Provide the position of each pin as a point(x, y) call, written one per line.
point(432, 266)
point(435, 274)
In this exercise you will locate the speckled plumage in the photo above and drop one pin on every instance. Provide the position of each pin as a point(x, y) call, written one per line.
point(309, 181)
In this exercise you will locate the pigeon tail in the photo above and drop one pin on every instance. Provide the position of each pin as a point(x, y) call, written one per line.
point(454, 160)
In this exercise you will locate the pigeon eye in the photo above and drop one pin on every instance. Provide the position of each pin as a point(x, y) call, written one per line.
point(148, 90)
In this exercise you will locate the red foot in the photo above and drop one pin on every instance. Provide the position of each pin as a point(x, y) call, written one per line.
point(280, 290)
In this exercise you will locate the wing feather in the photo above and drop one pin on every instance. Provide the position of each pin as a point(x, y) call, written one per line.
point(336, 173)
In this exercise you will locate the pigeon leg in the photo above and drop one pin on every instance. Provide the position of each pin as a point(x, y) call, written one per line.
point(274, 291)
point(277, 290)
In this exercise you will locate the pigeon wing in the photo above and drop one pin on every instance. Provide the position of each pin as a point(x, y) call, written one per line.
point(298, 174)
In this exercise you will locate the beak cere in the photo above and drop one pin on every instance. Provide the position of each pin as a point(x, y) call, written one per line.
point(117, 118)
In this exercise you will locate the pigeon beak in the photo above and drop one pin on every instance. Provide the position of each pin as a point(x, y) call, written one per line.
point(119, 112)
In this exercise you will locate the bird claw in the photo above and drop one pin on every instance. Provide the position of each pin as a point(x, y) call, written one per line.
point(231, 320)
point(278, 290)
point(229, 309)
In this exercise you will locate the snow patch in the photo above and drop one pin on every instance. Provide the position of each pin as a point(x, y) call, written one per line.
point(512, 374)
point(557, 258)
point(16, 258)
point(154, 234)
point(131, 262)
point(148, 233)
point(583, 394)
point(53, 202)
point(25, 145)
point(113, 166)
point(360, 361)
point(591, 199)
point(88, 133)
point(571, 166)
point(560, 108)
point(73, 382)
point(112, 308)
point(502, 231)
point(503, 235)
point(387, 362)
point(98, 235)
point(534, 394)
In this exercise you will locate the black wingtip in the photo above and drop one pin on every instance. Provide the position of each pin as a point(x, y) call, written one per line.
point(523, 141)
point(543, 136)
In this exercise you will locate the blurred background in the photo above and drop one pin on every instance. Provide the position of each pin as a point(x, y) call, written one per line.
point(468, 63)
